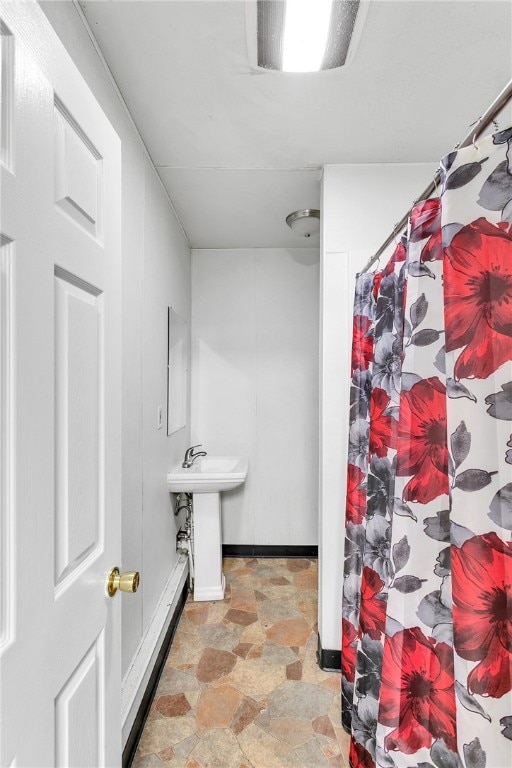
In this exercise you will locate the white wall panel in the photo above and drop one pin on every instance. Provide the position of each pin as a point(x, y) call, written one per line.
point(255, 385)
point(131, 400)
point(166, 283)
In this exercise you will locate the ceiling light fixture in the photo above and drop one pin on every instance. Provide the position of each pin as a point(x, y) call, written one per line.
point(305, 35)
point(305, 222)
point(306, 30)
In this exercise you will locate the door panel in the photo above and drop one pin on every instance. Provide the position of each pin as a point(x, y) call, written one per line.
point(79, 712)
point(79, 510)
point(60, 407)
point(6, 439)
point(6, 94)
point(78, 172)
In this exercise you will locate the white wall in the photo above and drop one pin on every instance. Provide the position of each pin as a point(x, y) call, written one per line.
point(255, 385)
point(360, 205)
point(166, 283)
point(155, 274)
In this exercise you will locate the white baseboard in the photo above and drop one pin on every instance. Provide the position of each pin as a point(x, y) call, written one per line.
point(136, 679)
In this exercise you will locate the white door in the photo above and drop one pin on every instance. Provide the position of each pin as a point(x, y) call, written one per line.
point(60, 406)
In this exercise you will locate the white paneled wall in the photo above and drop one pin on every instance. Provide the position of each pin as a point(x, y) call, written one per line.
point(255, 385)
point(360, 205)
point(166, 283)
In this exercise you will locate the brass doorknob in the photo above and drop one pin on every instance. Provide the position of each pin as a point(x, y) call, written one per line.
point(126, 582)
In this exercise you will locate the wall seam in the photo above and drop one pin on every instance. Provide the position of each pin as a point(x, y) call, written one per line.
point(299, 169)
point(309, 248)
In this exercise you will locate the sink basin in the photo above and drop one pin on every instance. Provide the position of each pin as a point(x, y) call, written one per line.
point(210, 474)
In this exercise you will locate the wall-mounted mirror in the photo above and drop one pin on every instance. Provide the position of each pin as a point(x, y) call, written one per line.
point(177, 372)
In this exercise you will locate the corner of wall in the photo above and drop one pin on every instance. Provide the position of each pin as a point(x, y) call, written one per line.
point(349, 236)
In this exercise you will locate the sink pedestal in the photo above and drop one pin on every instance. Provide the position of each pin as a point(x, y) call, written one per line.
point(209, 580)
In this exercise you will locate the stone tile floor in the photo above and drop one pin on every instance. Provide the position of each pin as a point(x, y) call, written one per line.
point(241, 687)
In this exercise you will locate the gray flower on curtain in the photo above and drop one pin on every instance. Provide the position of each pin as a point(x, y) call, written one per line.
point(347, 697)
point(506, 724)
point(364, 722)
point(500, 403)
point(445, 594)
point(496, 193)
point(387, 364)
point(354, 547)
point(363, 296)
point(368, 684)
point(358, 443)
point(380, 487)
point(352, 598)
point(386, 305)
point(360, 393)
point(508, 454)
point(377, 552)
point(370, 658)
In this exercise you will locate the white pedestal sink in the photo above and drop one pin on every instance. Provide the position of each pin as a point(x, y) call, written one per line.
point(205, 480)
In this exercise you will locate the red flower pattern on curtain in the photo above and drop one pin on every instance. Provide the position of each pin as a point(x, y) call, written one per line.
point(359, 757)
point(478, 298)
point(372, 617)
point(482, 611)
point(382, 426)
point(426, 224)
point(348, 657)
point(356, 506)
point(362, 349)
point(422, 449)
point(417, 693)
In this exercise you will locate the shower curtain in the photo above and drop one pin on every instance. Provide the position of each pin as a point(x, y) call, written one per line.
point(427, 592)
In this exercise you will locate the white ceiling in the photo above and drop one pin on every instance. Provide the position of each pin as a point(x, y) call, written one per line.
point(239, 148)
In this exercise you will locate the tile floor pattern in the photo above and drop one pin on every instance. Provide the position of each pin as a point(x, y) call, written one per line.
point(241, 687)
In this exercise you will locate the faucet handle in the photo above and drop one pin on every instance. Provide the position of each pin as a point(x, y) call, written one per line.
point(190, 451)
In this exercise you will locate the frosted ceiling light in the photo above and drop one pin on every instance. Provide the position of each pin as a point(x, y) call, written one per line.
point(304, 35)
point(306, 29)
point(305, 222)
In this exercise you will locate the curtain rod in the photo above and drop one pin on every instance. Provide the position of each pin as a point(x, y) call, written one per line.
point(481, 124)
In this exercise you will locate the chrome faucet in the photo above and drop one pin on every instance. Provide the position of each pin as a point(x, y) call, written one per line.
point(190, 456)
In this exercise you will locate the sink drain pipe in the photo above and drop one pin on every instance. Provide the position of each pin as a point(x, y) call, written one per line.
point(185, 536)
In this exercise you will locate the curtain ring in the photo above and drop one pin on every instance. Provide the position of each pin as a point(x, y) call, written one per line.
point(474, 143)
point(496, 125)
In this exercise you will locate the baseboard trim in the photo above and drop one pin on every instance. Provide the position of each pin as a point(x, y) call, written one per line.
point(141, 680)
point(328, 659)
point(264, 550)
